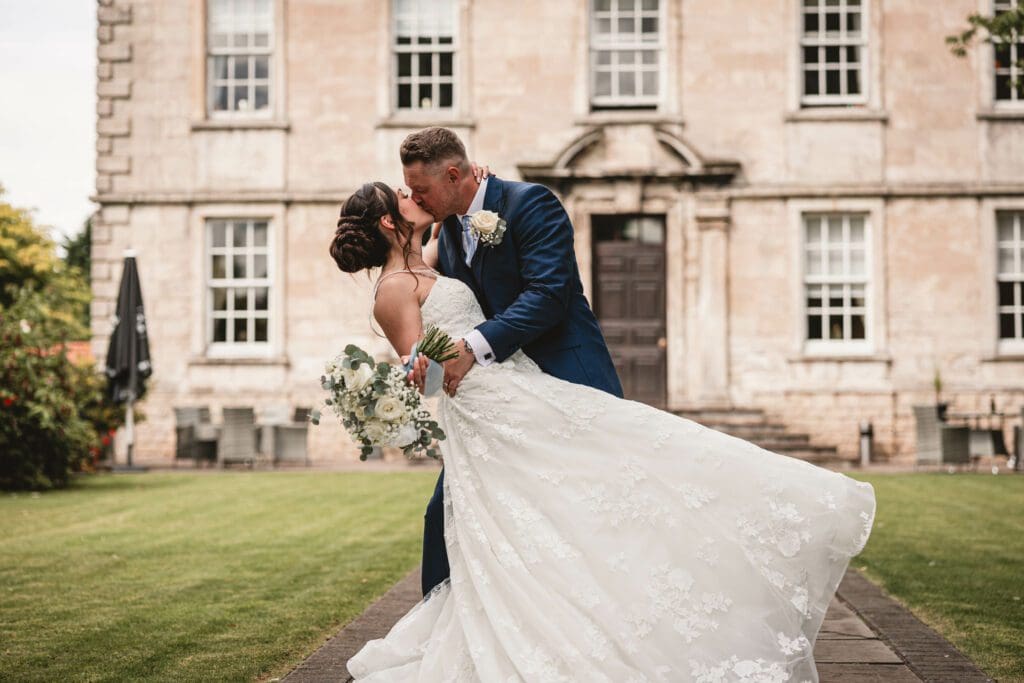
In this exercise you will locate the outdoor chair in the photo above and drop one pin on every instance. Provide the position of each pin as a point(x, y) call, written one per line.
point(937, 442)
point(195, 436)
point(290, 440)
point(238, 434)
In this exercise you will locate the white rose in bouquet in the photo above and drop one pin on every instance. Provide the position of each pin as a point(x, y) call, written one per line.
point(356, 379)
point(376, 431)
point(389, 408)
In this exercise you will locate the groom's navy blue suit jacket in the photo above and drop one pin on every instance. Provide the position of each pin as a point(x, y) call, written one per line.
point(529, 286)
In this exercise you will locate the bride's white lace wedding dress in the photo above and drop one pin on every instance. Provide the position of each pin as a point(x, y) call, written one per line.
point(593, 538)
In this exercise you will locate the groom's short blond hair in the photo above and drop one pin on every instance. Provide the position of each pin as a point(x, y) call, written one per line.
point(433, 146)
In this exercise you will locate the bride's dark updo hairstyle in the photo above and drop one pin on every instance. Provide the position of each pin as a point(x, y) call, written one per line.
point(358, 242)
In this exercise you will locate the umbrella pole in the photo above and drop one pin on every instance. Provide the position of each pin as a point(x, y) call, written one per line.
point(130, 430)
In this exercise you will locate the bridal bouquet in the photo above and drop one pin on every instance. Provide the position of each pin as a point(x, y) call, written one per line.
point(375, 402)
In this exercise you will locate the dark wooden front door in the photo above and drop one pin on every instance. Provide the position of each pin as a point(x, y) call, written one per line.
point(629, 299)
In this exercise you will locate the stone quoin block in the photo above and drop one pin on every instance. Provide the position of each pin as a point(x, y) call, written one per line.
point(111, 164)
point(115, 52)
point(114, 127)
point(114, 88)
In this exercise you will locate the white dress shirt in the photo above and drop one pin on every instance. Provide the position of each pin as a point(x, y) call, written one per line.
point(481, 349)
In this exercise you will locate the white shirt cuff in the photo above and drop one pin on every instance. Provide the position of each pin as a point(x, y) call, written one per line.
point(481, 349)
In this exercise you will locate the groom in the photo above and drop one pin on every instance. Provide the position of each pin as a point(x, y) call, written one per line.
point(528, 285)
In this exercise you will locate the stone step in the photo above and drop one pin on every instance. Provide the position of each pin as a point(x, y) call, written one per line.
point(754, 433)
point(725, 417)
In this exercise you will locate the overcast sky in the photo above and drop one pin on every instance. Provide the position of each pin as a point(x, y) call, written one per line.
point(48, 109)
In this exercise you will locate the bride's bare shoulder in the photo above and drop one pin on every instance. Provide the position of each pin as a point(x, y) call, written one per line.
point(401, 288)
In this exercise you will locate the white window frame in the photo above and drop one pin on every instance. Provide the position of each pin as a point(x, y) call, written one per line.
point(611, 43)
point(822, 41)
point(1015, 245)
point(436, 80)
point(251, 52)
point(1016, 100)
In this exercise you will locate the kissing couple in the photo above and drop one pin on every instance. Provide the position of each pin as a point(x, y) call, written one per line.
point(575, 535)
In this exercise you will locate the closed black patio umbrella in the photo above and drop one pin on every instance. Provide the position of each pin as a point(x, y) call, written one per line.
point(128, 363)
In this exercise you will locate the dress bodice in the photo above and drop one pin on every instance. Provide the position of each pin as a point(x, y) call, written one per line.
point(452, 306)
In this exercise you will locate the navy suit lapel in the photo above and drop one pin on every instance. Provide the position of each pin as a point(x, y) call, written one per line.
point(494, 200)
point(455, 256)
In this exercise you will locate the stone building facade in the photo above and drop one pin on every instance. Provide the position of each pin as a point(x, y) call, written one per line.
point(803, 206)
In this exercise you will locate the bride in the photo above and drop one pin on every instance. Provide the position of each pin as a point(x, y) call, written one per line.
point(593, 538)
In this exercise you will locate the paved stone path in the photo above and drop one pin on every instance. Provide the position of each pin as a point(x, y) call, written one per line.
point(866, 636)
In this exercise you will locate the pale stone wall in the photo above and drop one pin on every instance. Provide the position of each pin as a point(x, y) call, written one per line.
point(928, 157)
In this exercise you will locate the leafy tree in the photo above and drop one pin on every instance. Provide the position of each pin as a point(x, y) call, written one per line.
point(28, 259)
point(1004, 28)
point(54, 417)
point(77, 257)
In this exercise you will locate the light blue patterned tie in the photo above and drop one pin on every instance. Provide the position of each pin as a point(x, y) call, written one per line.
point(468, 242)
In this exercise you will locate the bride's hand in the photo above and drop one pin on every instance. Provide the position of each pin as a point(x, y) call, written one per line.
point(418, 375)
point(480, 173)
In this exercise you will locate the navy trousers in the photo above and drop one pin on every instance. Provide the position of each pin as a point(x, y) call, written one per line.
point(435, 554)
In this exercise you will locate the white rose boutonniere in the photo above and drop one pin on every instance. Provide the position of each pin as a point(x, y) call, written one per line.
point(488, 227)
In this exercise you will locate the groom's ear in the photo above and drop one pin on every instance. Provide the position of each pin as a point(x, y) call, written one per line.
point(452, 172)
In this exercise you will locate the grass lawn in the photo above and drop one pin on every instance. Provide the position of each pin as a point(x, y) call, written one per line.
point(197, 577)
point(951, 549)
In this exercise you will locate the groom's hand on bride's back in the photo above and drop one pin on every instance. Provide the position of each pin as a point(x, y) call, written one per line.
point(456, 368)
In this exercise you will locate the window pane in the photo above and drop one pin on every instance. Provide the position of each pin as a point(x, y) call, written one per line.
point(218, 229)
point(603, 84)
point(220, 98)
point(627, 83)
point(404, 64)
point(810, 55)
point(857, 296)
point(241, 68)
point(650, 83)
point(832, 54)
point(1006, 330)
point(239, 266)
point(240, 102)
point(1006, 290)
point(813, 227)
point(853, 22)
point(814, 297)
point(1003, 91)
point(856, 229)
point(426, 96)
point(220, 67)
point(835, 327)
point(814, 327)
point(1006, 261)
point(649, 25)
point(835, 229)
point(260, 299)
point(261, 329)
point(262, 97)
point(814, 262)
point(261, 67)
point(405, 96)
point(259, 265)
point(240, 299)
point(220, 299)
point(220, 330)
point(832, 82)
point(853, 82)
point(259, 232)
point(857, 326)
point(241, 332)
point(425, 67)
point(832, 22)
point(649, 57)
point(446, 64)
point(1005, 222)
point(627, 25)
point(604, 57)
point(810, 82)
point(219, 268)
point(650, 5)
point(261, 40)
point(445, 90)
point(857, 262)
point(238, 234)
point(811, 22)
point(835, 262)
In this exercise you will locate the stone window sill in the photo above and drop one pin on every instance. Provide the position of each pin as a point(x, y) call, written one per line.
point(1001, 114)
point(837, 114)
point(841, 358)
point(240, 360)
point(419, 120)
point(241, 124)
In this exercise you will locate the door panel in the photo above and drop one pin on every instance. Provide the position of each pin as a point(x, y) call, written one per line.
point(629, 286)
